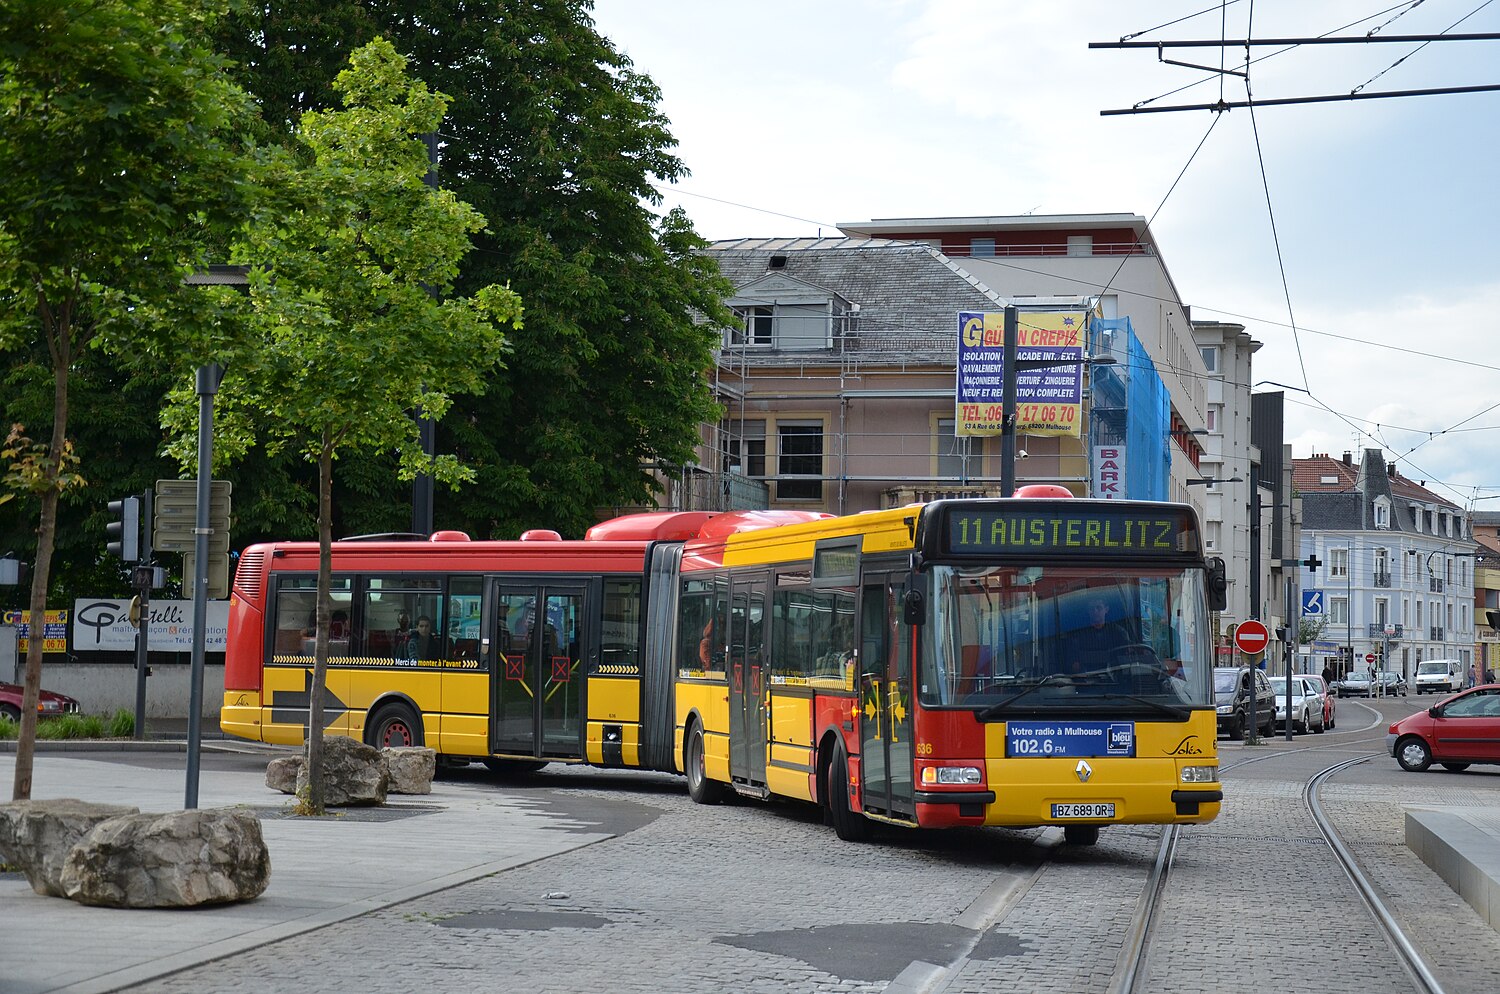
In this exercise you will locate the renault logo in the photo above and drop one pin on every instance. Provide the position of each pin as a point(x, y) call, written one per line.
point(1084, 771)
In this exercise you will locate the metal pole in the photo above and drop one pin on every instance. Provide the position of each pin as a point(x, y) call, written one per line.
point(207, 385)
point(143, 572)
point(421, 485)
point(1008, 404)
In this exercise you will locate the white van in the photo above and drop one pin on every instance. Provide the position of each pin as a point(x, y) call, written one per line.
point(1440, 676)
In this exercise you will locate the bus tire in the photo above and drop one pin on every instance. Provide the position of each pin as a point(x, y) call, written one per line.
point(512, 767)
point(695, 763)
point(1081, 835)
point(393, 725)
point(848, 824)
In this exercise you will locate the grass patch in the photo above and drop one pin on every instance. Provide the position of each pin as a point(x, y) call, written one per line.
point(120, 725)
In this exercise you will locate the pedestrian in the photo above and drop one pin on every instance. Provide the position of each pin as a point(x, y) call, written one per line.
point(1472, 680)
point(1327, 675)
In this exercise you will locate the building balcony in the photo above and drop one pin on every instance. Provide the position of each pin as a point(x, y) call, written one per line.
point(1381, 578)
point(1437, 634)
point(1435, 584)
point(901, 496)
point(1376, 631)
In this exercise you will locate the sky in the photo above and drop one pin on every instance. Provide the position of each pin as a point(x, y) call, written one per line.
point(1357, 241)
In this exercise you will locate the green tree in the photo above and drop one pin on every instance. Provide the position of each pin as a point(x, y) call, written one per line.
point(347, 246)
point(118, 171)
point(559, 142)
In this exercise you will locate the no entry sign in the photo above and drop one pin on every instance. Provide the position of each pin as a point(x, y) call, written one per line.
point(1251, 637)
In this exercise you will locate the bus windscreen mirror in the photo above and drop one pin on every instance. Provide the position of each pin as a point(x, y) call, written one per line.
point(913, 608)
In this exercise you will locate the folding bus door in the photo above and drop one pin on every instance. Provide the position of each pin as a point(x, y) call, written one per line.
point(747, 679)
point(539, 638)
point(885, 698)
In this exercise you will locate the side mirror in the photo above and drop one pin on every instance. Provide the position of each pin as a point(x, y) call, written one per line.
point(1435, 711)
point(1218, 585)
point(913, 608)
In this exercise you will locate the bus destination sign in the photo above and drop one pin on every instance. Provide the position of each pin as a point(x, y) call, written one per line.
point(1023, 528)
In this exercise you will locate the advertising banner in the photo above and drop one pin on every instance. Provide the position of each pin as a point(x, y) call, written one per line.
point(54, 630)
point(1109, 472)
point(1049, 400)
point(101, 625)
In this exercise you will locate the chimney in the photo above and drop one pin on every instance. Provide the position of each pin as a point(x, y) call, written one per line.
point(1348, 458)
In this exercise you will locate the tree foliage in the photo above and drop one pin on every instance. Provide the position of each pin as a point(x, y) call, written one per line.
point(557, 140)
point(119, 166)
point(347, 247)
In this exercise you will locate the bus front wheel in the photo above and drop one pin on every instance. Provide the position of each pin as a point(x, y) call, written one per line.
point(848, 824)
point(394, 726)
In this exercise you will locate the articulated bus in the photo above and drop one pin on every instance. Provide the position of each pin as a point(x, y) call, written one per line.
point(1038, 660)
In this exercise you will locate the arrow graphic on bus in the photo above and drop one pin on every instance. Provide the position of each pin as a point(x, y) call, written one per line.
point(291, 707)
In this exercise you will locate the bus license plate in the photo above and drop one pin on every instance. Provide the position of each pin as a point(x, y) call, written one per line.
point(1083, 810)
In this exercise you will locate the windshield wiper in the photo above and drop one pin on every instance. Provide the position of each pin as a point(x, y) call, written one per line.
point(999, 706)
point(1176, 712)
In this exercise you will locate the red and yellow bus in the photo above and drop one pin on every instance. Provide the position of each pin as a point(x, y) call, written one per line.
point(1034, 661)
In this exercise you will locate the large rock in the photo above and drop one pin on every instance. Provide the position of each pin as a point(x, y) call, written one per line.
point(178, 860)
point(353, 774)
point(282, 774)
point(410, 768)
point(38, 835)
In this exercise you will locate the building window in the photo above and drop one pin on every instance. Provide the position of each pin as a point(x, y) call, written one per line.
point(1210, 357)
point(1382, 513)
point(800, 454)
point(1080, 245)
point(1212, 418)
point(981, 247)
point(1338, 562)
point(1338, 610)
point(745, 447)
point(958, 458)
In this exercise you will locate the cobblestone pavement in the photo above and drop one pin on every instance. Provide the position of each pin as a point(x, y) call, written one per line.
point(748, 897)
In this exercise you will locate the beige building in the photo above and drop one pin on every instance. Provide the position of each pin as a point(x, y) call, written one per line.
point(838, 385)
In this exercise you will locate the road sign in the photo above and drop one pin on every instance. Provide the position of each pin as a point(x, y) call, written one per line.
point(1251, 637)
point(176, 515)
point(218, 573)
point(1312, 602)
point(1369, 657)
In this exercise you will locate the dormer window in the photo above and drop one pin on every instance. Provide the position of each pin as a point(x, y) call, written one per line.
point(782, 313)
point(1382, 509)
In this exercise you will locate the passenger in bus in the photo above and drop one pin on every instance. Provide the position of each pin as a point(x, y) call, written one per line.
point(1092, 647)
point(423, 644)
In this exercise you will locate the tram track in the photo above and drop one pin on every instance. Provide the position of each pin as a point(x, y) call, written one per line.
point(1132, 975)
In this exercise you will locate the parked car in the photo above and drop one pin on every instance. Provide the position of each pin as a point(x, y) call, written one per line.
point(1307, 704)
point(1440, 676)
point(1232, 700)
point(1325, 691)
point(1454, 733)
point(49, 705)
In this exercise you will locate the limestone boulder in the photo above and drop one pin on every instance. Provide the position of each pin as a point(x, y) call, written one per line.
point(410, 769)
point(182, 859)
point(281, 774)
point(38, 835)
point(353, 774)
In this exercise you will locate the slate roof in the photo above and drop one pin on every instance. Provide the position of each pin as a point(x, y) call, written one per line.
point(907, 293)
point(1345, 502)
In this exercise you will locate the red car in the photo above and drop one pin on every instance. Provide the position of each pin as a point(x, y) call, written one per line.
point(50, 704)
point(1456, 732)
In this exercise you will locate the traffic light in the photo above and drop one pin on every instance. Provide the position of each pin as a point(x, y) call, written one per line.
point(124, 533)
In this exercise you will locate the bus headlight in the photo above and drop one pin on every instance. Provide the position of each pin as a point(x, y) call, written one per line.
point(1200, 774)
point(950, 775)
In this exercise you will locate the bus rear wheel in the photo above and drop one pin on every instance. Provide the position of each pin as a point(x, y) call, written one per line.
point(700, 788)
point(394, 726)
point(848, 824)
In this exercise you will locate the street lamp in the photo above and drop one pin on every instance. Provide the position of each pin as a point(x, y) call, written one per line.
point(1209, 481)
point(1013, 366)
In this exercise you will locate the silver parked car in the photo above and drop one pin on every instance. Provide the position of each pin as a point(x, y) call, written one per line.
point(1306, 704)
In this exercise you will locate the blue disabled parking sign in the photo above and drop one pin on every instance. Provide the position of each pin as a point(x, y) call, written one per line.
point(1312, 602)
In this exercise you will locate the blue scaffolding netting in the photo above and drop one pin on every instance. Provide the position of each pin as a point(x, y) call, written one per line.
point(1129, 410)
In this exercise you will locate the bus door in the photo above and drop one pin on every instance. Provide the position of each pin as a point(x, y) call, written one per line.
point(885, 698)
point(537, 643)
point(745, 663)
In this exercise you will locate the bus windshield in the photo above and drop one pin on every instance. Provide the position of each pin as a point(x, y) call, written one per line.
point(1014, 639)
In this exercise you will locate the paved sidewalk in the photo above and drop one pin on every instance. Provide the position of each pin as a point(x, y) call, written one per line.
point(323, 870)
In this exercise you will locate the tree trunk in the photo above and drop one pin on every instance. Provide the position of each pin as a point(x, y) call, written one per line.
point(325, 623)
point(41, 571)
